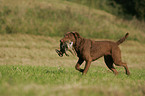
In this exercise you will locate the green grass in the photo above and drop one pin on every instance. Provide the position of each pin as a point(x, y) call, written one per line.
point(42, 80)
point(30, 66)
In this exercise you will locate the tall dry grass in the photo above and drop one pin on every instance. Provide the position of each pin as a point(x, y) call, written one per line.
point(54, 18)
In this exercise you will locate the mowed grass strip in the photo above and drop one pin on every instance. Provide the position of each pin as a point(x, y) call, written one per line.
point(42, 80)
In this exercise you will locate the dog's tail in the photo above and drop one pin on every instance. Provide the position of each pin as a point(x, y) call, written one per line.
point(122, 39)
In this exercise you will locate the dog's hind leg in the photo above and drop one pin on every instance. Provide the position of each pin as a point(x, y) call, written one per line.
point(116, 55)
point(109, 62)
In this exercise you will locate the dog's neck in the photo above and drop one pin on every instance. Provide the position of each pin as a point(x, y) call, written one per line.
point(77, 44)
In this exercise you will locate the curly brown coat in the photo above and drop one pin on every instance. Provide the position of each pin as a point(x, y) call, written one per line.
point(90, 50)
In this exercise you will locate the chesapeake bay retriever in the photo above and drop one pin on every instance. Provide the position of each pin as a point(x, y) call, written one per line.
point(90, 50)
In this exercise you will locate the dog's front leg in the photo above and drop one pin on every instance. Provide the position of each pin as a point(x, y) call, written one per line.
point(80, 61)
point(87, 65)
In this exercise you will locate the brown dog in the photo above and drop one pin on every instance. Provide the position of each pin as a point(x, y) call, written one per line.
point(89, 50)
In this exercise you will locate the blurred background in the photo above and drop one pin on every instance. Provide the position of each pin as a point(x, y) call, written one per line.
point(107, 19)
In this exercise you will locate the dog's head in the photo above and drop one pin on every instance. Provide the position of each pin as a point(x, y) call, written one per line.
point(70, 36)
point(69, 39)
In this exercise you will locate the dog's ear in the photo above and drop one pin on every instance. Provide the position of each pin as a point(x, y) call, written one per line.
point(65, 35)
point(76, 35)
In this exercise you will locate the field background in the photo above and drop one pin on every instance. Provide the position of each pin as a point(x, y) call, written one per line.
point(30, 31)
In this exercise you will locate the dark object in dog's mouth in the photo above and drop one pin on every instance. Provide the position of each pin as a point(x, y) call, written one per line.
point(64, 47)
point(59, 52)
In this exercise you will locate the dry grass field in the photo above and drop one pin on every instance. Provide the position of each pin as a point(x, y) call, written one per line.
point(56, 17)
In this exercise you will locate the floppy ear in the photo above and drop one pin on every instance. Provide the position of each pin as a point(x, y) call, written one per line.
point(66, 34)
point(76, 35)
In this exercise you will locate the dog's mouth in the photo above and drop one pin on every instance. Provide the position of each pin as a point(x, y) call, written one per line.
point(65, 46)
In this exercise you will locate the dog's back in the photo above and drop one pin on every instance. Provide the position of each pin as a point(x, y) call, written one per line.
point(101, 48)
